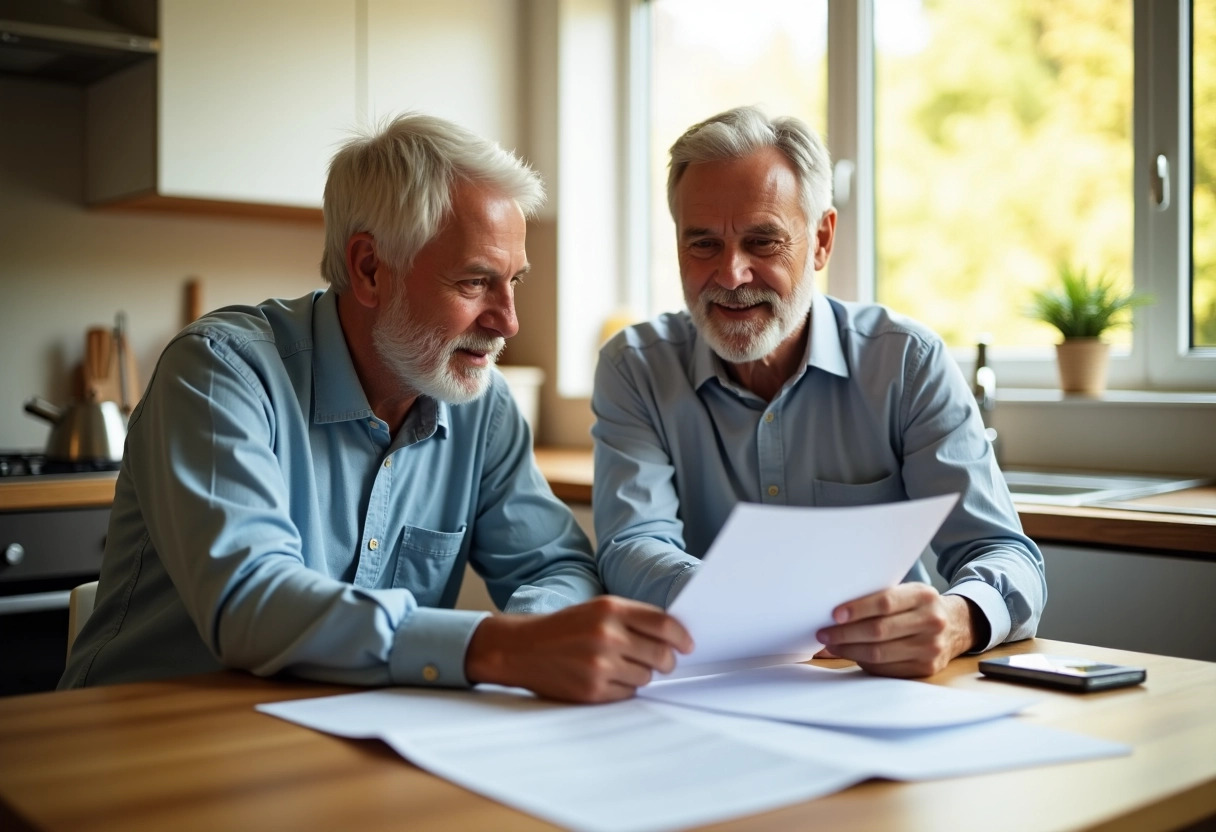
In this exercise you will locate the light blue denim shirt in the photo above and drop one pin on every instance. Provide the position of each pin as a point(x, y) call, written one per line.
point(265, 519)
point(879, 413)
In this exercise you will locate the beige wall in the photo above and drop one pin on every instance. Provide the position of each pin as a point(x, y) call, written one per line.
point(64, 268)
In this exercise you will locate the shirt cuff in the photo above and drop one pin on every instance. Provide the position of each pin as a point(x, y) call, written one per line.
point(430, 645)
point(991, 604)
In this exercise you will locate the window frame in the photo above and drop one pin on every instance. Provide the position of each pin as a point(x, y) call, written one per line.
point(1161, 356)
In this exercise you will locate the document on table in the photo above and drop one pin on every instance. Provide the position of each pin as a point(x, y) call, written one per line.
point(606, 768)
point(640, 765)
point(773, 575)
point(917, 754)
point(835, 698)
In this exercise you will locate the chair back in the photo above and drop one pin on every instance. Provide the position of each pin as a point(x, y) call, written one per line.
point(80, 607)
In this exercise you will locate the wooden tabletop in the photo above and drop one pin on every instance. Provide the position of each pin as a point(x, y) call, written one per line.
point(192, 753)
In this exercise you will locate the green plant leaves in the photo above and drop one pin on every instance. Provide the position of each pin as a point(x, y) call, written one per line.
point(1084, 306)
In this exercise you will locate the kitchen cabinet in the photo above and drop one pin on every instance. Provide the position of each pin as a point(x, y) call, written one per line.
point(244, 105)
point(247, 102)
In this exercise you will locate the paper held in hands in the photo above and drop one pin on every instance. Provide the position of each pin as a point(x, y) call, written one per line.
point(774, 574)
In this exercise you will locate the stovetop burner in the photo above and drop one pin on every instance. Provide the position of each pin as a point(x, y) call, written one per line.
point(27, 464)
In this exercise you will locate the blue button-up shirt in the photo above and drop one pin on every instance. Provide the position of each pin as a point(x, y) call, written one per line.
point(265, 519)
point(879, 412)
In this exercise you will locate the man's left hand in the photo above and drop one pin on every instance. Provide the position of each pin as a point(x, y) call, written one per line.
point(908, 630)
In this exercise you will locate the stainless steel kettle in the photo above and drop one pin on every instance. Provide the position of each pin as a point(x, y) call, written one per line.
point(89, 431)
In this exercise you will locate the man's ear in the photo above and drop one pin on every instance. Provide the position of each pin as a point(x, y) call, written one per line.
point(825, 236)
point(368, 277)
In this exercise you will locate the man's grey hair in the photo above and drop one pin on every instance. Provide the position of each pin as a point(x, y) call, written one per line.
point(744, 130)
point(395, 183)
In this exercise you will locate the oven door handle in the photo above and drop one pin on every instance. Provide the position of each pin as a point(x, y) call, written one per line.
point(34, 602)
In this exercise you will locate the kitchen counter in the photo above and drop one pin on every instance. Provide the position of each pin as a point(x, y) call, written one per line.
point(569, 470)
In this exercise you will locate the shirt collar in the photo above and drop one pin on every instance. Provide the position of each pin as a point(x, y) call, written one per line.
point(823, 350)
point(339, 396)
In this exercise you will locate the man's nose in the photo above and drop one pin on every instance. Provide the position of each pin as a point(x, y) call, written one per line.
point(736, 269)
point(499, 315)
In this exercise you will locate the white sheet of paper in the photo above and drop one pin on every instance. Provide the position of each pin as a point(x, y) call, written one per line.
point(620, 768)
point(835, 698)
point(374, 713)
point(774, 574)
point(641, 765)
point(928, 754)
point(608, 768)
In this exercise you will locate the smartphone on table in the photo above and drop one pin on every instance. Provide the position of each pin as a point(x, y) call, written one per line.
point(1066, 672)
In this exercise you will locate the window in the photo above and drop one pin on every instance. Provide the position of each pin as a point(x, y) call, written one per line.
point(1007, 138)
point(1003, 150)
point(707, 56)
point(1203, 199)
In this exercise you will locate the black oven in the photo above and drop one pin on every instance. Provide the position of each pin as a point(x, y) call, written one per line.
point(44, 552)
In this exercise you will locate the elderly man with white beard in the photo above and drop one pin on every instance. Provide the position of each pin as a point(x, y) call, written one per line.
point(305, 480)
point(767, 391)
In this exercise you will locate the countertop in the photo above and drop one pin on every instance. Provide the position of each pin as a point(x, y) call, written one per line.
point(569, 471)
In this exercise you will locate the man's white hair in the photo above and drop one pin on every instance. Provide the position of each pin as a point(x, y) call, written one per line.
point(395, 183)
point(744, 130)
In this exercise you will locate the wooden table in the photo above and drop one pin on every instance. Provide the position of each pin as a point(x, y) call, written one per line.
point(192, 753)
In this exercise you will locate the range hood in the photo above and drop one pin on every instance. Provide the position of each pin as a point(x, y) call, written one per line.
point(58, 40)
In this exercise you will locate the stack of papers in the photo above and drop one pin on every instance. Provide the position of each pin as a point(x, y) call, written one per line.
point(757, 733)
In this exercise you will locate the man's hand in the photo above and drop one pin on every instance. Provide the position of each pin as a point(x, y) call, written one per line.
point(598, 651)
point(907, 630)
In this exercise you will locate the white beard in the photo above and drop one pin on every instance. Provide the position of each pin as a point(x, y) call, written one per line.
point(423, 361)
point(741, 341)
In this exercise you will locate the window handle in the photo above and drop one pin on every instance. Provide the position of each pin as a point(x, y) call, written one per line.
point(1159, 183)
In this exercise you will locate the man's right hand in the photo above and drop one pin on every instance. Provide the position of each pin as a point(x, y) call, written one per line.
point(599, 651)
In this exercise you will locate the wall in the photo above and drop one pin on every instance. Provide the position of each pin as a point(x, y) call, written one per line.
point(64, 268)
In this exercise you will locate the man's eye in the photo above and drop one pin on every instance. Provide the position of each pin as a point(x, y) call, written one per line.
point(764, 245)
point(476, 283)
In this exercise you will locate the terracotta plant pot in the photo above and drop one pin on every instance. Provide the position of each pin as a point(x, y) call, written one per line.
point(1082, 364)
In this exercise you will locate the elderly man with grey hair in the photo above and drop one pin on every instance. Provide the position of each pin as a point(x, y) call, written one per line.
point(767, 391)
point(305, 480)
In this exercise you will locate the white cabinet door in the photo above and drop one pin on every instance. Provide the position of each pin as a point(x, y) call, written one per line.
point(459, 59)
point(254, 97)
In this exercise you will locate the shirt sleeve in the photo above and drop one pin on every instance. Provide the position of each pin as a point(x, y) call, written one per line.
point(981, 549)
point(636, 507)
point(527, 545)
point(216, 503)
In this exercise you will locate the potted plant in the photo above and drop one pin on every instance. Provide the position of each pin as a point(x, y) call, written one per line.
point(1082, 307)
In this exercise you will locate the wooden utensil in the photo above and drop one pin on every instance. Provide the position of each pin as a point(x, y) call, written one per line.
point(128, 374)
point(98, 366)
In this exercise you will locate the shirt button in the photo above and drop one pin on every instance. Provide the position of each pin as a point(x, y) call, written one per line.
point(773, 491)
point(373, 544)
point(768, 417)
point(388, 463)
point(373, 423)
point(430, 673)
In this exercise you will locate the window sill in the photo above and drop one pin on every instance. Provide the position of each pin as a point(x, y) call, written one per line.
point(1120, 398)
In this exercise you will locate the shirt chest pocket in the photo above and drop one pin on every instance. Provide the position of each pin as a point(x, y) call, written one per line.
point(425, 559)
point(889, 489)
